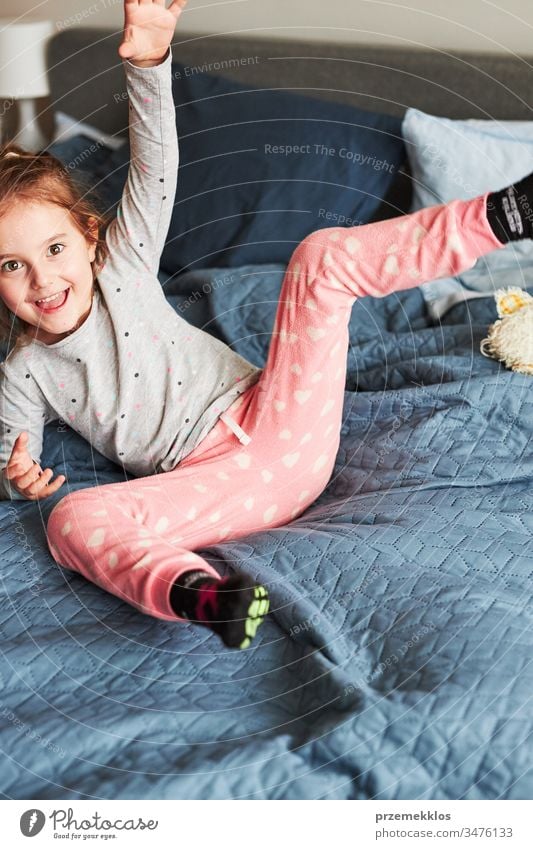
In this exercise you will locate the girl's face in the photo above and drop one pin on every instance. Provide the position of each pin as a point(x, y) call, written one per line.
point(42, 253)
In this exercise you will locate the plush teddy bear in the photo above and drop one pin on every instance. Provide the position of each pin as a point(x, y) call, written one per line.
point(510, 339)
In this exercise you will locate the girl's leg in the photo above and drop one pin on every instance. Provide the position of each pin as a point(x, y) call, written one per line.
point(295, 412)
point(136, 540)
point(124, 538)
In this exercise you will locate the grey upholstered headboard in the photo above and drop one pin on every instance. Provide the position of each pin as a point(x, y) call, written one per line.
point(87, 78)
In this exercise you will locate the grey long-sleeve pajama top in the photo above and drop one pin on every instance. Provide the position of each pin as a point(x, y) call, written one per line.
point(137, 381)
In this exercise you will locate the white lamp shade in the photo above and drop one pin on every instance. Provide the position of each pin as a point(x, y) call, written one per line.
point(22, 58)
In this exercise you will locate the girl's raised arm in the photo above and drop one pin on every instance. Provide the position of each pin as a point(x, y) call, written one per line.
point(136, 237)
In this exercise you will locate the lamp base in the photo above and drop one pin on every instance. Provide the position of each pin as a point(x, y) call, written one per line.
point(29, 135)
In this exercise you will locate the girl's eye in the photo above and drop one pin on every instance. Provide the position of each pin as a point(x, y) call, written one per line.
point(11, 261)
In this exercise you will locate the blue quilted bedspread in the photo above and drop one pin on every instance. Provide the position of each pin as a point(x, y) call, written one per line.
point(396, 663)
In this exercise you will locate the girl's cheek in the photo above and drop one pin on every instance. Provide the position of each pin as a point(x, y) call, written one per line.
point(9, 298)
point(17, 299)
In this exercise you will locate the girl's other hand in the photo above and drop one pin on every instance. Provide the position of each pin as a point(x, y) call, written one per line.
point(148, 29)
point(26, 476)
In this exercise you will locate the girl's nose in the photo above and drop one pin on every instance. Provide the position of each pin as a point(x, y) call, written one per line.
point(40, 279)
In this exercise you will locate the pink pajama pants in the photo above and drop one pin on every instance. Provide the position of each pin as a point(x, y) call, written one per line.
point(273, 451)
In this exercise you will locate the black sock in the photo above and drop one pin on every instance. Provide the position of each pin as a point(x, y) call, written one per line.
point(232, 607)
point(510, 211)
point(184, 592)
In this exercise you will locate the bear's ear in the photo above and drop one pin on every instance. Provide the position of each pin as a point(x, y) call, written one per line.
point(510, 300)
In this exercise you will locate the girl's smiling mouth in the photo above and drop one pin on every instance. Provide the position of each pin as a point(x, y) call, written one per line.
point(55, 304)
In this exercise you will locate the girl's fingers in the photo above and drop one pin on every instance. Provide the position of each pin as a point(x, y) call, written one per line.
point(41, 489)
point(28, 477)
point(177, 7)
point(15, 470)
point(53, 487)
point(32, 486)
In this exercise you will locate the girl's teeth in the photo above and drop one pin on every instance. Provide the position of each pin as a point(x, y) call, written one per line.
point(51, 298)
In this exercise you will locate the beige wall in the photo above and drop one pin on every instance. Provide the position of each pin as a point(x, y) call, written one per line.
point(481, 25)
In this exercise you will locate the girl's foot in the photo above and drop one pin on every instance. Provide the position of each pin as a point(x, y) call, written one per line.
point(510, 211)
point(228, 606)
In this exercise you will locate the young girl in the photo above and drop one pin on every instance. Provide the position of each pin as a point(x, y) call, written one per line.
point(220, 448)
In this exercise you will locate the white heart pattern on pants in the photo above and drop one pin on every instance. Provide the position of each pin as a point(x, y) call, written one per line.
point(288, 337)
point(96, 538)
point(352, 245)
point(268, 515)
point(391, 264)
point(315, 332)
point(290, 460)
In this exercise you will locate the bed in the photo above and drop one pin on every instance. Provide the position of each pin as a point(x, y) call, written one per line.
point(396, 661)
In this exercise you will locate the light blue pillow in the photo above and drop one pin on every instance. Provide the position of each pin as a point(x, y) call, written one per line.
point(463, 159)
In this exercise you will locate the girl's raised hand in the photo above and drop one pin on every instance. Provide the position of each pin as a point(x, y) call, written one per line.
point(26, 476)
point(148, 29)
